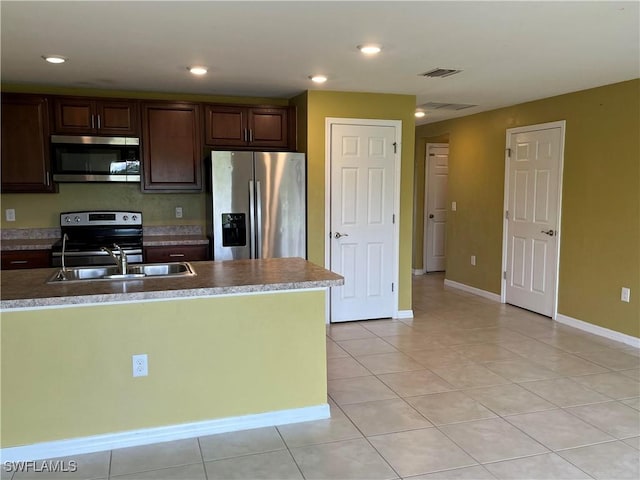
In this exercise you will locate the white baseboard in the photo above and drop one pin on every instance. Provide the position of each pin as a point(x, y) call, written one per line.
point(476, 291)
point(109, 441)
point(418, 271)
point(597, 330)
point(404, 314)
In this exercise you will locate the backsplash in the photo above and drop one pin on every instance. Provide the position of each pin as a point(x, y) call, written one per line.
point(37, 210)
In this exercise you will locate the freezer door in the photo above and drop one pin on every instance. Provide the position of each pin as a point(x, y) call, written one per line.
point(231, 210)
point(280, 205)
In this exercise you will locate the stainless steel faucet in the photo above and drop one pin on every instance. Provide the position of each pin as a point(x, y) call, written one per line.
point(62, 274)
point(119, 256)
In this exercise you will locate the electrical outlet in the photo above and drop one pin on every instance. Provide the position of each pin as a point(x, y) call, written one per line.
point(140, 365)
point(10, 214)
point(473, 260)
point(178, 212)
point(454, 206)
point(625, 295)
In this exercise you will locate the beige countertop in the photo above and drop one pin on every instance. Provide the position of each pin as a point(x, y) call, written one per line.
point(155, 236)
point(29, 288)
point(28, 244)
point(170, 240)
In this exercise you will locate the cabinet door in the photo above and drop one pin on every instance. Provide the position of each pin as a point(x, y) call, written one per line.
point(18, 259)
point(175, 253)
point(75, 116)
point(171, 147)
point(226, 126)
point(268, 127)
point(25, 144)
point(117, 118)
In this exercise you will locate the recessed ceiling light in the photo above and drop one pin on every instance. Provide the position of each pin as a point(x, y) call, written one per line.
point(370, 49)
point(318, 78)
point(54, 58)
point(198, 70)
point(419, 114)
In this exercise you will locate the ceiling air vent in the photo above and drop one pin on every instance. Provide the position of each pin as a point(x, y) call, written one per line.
point(440, 73)
point(446, 106)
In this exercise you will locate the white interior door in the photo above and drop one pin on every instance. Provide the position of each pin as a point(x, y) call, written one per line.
point(532, 217)
point(362, 221)
point(437, 172)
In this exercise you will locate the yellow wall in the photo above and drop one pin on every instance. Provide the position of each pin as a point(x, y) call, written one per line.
point(600, 242)
point(323, 104)
point(37, 210)
point(67, 372)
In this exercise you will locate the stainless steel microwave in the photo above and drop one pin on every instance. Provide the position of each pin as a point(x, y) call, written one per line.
point(95, 159)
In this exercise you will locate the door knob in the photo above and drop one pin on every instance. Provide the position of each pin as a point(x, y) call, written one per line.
point(431, 215)
point(338, 235)
point(550, 232)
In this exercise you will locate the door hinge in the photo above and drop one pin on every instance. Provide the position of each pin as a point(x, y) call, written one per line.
point(506, 214)
point(509, 152)
point(393, 218)
point(504, 274)
point(392, 287)
point(395, 147)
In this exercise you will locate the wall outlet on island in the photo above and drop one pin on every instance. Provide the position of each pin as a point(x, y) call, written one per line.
point(473, 260)
point(178, 212)
point(10, 214)
point(625, 294)
point(140, 365)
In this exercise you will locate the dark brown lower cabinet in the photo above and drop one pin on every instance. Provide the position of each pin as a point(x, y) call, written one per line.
point(17, 259)
point(176, 253)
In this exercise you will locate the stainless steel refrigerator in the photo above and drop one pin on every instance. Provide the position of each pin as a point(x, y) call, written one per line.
point(256, 206)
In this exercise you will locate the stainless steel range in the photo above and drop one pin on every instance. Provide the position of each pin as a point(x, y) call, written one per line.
point(88, 233)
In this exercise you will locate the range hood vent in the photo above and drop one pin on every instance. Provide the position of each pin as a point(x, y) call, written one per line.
point(446, 106)
point(440, 73)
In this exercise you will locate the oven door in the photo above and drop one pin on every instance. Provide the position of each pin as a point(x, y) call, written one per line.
point(88, 258)
point(95, 159)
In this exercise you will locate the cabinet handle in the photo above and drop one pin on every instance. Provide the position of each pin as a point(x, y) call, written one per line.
point(92, 121)
point(18, 262)
point(176, 255)
point(98, 122)
point(47, 178)
point(244, 135)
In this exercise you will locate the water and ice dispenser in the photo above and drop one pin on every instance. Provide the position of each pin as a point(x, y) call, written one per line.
point(234, 230)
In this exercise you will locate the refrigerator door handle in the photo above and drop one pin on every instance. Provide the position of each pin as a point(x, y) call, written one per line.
point(252, 220)
point(258, 220)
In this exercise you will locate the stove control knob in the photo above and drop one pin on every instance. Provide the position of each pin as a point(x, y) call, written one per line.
point(77, 219)
point(134, 218)
point(67, 219)
point(125, 218)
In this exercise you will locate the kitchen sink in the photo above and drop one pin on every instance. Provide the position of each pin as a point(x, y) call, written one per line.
point(134, 272)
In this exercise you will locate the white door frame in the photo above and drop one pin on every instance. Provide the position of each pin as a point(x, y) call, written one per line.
point(426, 201)
point(397, 124)
point(510, 131)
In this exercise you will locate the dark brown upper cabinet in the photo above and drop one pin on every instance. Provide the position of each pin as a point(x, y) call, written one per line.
point(26, 165)
point(88, 116)
point(171, 147)
point(236, 126)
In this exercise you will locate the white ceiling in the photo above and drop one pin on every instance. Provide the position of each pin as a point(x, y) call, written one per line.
point(510, 52)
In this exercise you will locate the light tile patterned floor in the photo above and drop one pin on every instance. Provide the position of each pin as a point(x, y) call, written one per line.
point(468, 389)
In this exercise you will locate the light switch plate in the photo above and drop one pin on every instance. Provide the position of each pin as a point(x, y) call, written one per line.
point(454, 206)
point(10, 214)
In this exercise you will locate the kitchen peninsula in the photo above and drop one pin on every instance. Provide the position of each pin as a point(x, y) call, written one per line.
point(239, 345)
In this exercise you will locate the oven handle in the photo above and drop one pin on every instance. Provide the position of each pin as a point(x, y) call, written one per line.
point(136, 251)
